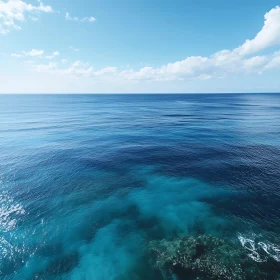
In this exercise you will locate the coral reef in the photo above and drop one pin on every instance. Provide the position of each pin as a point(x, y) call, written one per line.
point(208, 257)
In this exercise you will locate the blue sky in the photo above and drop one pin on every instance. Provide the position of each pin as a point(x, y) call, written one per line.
point(111, 46)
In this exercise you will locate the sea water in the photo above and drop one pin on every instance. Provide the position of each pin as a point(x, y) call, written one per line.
point(87, 181)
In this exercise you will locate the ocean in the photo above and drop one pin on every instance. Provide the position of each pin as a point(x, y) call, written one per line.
point(95, 186)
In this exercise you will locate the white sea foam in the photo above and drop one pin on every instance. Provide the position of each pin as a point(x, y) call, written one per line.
point(5, 248)
point(256, 248)
point(271, 249)
point(9, 212)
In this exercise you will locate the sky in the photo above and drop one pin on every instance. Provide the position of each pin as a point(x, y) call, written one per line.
point(139, 46)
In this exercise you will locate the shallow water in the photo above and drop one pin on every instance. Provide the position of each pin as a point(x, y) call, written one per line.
point(86, 181)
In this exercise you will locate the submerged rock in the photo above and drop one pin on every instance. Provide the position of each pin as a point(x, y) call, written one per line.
point(207, 257)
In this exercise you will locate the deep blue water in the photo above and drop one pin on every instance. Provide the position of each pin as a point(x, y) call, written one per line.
point(86, 181)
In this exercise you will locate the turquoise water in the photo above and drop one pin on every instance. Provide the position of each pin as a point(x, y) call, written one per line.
point(87, 181)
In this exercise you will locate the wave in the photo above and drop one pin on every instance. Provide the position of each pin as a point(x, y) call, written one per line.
point(260, 251)
point(9, 212)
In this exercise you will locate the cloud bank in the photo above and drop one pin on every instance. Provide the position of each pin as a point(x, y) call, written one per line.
point(244, 59)
point(13, 12)
point(254, 56)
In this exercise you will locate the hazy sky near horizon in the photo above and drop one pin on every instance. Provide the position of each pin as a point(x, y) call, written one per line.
point(140, 46)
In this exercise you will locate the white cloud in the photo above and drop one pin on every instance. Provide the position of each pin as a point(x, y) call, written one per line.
point(74, 49)
point(274, 62)
point(28, 62)
point(78, 68)
point(77, 64)
point(84, 19)
point(35, 53)
point(33, 18)
point(255, 62)
point(242, 60)
point(13, 12)
point(269, 35)
point(54, 54)
point(201, 68)
point(16, 55)
point(45, 67)
point(105, 71)
point(220, 64)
